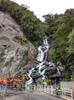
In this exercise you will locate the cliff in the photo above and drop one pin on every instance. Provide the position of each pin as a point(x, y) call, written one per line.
point(15, 49)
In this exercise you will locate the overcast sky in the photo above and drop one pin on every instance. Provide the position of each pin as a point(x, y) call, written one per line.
point(43, 7)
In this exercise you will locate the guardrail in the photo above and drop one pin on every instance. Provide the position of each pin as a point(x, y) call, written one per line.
point(67, 94)
point(2, 95)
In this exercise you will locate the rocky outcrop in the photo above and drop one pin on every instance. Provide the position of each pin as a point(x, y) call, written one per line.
point(15, 49)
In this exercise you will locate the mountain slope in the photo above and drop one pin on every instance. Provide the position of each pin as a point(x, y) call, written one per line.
point(32, 27)
point(15, 49)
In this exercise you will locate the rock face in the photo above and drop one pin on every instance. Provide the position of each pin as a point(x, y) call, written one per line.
point(15, 49)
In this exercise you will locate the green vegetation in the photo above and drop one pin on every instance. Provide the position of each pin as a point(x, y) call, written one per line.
point(20, 40)
point(61, 28)
point(32, 27)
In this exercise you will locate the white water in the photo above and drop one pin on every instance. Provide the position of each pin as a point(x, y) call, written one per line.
point(41, 58)
point(58, 71)
point(42, 50)
point(43, 55)
point(40, 55)
point(51, 64)
point(29, 75)
point(41, 66)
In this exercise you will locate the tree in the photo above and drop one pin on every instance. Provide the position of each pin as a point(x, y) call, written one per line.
point(71, 42)
point(32, 27)
point(62, 48)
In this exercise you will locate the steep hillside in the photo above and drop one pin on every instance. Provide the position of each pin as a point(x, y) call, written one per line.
point(32, 27)
point(15, 49)
point(61, 28)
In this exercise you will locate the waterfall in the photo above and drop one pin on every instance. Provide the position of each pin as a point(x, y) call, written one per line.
point(29, 75)
point(40, 55)
point(44, 49)
point(41, 58)
point(51, 64)
point(41, 68)
point(58, 71)
point(45, 44)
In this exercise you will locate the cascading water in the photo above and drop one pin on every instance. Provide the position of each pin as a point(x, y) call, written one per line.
point(41, 70)
point(41, 58)
point(30, 78)
point(40, 55)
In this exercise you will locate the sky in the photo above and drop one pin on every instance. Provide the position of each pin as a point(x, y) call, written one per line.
point(44, 7)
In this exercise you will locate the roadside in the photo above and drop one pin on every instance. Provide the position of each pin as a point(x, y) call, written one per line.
point(27, 95)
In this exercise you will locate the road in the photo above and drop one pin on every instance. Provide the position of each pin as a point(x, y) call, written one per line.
point(31, 96)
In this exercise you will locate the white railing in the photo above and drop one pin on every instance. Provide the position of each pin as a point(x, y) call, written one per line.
point(67, 94)
point(63, 93)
